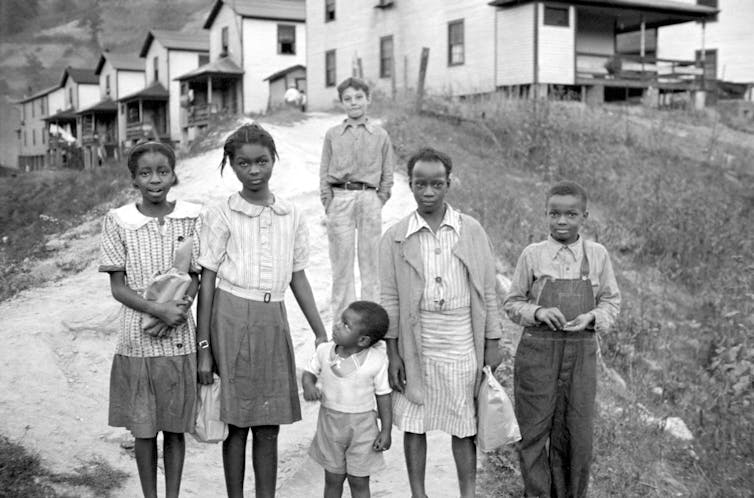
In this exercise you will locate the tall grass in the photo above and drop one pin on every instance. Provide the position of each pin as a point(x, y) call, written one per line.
point(674, 211)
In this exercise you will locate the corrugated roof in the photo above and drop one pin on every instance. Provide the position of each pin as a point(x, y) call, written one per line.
point(222, 66)
point(279, 10)
point(40, 93)
point(105, 105)
point(177, 40)
point(283, 72)
point(664, 6)
point(123, 62)
point(80, 76)
point(155, 91)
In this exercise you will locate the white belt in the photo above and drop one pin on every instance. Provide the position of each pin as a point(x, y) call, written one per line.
point(265, 296)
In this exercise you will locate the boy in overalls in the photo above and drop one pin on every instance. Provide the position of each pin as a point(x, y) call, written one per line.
point(563, 291)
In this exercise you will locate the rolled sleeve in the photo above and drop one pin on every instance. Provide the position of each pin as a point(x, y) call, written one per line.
point(213, 238)
point(608, 298)
point(301, 246)
point(112, 246)
point(516, 304)
point(388, 285)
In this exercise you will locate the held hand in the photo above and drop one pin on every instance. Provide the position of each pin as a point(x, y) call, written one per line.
point(171, 312)
point(185, 302)
point(156, 329)
point(205, 366)
point(383, 440)
point(552, 317)
point(493, 356)
point(397, 374)
point(579, 323)
point(312, 393)
point(320, 339)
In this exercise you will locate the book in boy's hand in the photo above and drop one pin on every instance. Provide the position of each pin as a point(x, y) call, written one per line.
point(170, 285)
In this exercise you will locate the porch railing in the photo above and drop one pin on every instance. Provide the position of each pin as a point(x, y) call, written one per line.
point(649, 70)
point(196, 115)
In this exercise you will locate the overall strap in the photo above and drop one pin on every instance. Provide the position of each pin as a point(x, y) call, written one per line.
point(584, 260)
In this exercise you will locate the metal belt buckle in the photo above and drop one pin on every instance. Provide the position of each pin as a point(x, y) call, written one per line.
point(267, 297)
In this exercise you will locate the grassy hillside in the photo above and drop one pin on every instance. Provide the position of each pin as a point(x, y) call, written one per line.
point(73, 33)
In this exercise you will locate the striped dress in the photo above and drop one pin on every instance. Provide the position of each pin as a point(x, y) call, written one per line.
point(449, 361)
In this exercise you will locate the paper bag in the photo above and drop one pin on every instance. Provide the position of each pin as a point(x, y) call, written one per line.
point(171, 285)
point(209, 428)
point(496, 422)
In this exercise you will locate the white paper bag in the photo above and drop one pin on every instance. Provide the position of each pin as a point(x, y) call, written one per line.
point(209, 428)
point(496, 421)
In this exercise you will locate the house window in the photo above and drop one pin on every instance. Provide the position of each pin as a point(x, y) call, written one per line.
point(709, 3)
point(25, 139)
point(70, 97)
point(329, 10)
point(33, 113)
point(386, 57)
point(286, 39)
point(107, 85)
point(224, 41)
point(709, 65)
point(330, 68)
point(556, 16)
point(42, 107)
point(34, 137)
point(455, 43)
point(42, 133)
point(156, 68)
point(203, 59)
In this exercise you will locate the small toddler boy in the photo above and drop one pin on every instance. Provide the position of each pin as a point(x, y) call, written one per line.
point(563, 291)
point(346, 376)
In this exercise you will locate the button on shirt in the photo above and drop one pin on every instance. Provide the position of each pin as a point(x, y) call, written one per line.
point(254, 247)
point(555, 260)
point(356, 151)
point(446, 281)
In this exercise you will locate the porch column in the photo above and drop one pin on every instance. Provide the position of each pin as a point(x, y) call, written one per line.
point(209, 91)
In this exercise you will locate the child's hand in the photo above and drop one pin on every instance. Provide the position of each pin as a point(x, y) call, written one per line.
point(552, 317)
point(383, 440)
point(185, 302)
point(312, 393)
point(579, 323)
point(173, 313)
point(320, 339)
point(205, 366)
point(159, 329)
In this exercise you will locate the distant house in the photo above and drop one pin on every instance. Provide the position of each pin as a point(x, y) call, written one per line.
point(248, 40)
point(166, 54)
point(726, 40)
point(280, 81)
point(33, 137)
point(519, 46)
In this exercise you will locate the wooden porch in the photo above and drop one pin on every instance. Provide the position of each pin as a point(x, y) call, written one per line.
point(635, 71)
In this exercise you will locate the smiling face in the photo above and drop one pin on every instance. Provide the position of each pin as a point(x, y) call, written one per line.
point(252, 164)
point(429, 184)
point(565, 215)
point(153, 177)
point(355, 102)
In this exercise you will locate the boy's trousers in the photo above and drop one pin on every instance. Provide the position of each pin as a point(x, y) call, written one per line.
point(354, 217)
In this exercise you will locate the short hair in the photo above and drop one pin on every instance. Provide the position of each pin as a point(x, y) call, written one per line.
point(428, 154)
point(355, 83)
point(145, 147)
point(567, 188)
point(372, 317)
point(251, 133)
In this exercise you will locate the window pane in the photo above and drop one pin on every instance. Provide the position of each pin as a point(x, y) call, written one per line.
point(330, 68)
point(386, 56)
point(286, 39)
point(455, 43)
point(329, 10)
point(556, 16)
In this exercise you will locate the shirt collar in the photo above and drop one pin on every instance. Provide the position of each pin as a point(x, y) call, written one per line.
point(451, 218)
point(241, 205)
point(131, 218)
point(554, 247)
point(360, 122)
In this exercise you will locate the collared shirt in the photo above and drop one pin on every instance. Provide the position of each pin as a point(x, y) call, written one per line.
point(254, 247)
point(356, 151)
point(446, 281)
point(142, 247)
point(550, 258)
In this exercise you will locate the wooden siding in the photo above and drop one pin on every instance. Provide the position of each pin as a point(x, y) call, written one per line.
point(226, 17)
point(515, 45)
point(556, 49)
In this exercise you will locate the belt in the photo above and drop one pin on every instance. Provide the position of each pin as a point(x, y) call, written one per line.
point(251, 294)
point(353, 186)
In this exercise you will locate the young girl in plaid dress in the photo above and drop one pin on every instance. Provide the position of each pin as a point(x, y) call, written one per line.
point(153, 377)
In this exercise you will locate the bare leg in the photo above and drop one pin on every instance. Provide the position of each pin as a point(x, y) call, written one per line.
point(173, 454)
point(359, 486)
point(146, 463)
point(234, 460)
point(464, 453)
point(264, 458)
point(334, 485)
point(415, 449)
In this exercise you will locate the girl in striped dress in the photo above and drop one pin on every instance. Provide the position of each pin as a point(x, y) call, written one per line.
point(253, 246)
point(438, 287)
point(153, 377)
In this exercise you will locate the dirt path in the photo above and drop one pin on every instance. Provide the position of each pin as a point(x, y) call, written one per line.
point(58, 342)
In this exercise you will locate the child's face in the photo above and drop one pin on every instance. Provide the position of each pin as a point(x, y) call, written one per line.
point(565, 214)
point(252, 164)
point(153, 177)
point(355, 102)
point(348, 331)
point(429, 184)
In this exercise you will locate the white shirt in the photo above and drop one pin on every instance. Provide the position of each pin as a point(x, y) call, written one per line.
point(354, 393)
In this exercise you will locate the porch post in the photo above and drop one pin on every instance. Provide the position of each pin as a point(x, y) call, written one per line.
point(643, 42)
point(209, 96)
point(703, 56)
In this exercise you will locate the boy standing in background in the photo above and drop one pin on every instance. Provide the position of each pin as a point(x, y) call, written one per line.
point(563, 291)
point(355, 178)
